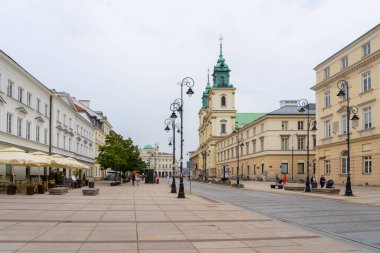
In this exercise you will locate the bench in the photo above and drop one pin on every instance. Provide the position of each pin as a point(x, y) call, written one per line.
point(278, 186)
point(326, 190)
point(294, 188)
point(58, 190)
point(90, 191)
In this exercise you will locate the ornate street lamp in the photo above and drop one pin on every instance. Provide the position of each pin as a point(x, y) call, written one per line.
point(236, 130)
point(304, 105)
point(169, 122)
point(344, 87)
point(189, 82)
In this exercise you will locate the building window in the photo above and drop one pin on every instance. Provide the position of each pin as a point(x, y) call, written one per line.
point(367, 160)
point(327, 98)
point(284, 143)
point(284, 125)
point(344, 160)
point(223, 128)
point(327, 167)
point(19, 125)
point(64, 142)
point(254, 131)
point(70, 123)
point(58, 140)
point(327, 72)
point(247, 148)
point(28, 126)
point(366, 49)
point(45, 136)
point(344, 62)
point(301, 143)
point(58, 115)
point(223, 101)
point(300, 125)
point(327, 125)
point(254, 146)
point(262, 127)
point(37, 133)
point(314, 141)
point(46, 110)
point(367, 113)
point(38, 106)
point(64, 119)
point(10, 88)
point(29, 99)
point(344, 124)
point(300, 168)
point(20, 94)
point(9, 122)
point(262, 144)
point(366, 81)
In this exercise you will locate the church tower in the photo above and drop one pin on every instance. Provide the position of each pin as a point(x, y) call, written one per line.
point(217, 115)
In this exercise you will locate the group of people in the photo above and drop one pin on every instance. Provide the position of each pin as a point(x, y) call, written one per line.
point(322, 181)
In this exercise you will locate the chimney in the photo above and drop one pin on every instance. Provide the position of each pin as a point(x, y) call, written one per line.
point(288, 102)
point(85, 103)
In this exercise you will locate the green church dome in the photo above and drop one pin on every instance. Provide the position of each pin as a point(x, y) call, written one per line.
point(148, 146)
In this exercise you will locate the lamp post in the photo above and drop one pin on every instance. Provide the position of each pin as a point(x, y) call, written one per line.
point(303, 103)
point(189, 82)
point(344, 89)
point(205, 154)
point(236, 131)
point(168, 122)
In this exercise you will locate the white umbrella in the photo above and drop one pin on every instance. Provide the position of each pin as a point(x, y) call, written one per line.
point(16, 156)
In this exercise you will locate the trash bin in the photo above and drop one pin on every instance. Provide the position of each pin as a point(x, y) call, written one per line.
point(91, 183)
point(157, 180)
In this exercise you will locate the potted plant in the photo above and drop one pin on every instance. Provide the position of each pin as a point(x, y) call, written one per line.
point(40, 188)
point(51, 184)
point(30, 188)
point(11, 189)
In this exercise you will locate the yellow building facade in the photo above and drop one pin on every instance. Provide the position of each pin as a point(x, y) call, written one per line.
point(273, 144)
point(359, 64)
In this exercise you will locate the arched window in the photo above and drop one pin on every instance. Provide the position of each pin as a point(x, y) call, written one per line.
point(223, 101)
point(344, 159)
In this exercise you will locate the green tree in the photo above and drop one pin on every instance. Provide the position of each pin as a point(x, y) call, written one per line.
point(120, 154)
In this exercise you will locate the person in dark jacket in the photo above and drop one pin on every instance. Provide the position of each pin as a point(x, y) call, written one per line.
point(133, 179)
point(322, 181)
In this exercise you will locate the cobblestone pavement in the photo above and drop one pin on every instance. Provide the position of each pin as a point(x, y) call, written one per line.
point(147, 218)
point(356, 220)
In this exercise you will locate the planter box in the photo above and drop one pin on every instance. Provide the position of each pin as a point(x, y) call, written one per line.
point(40, 189)
point(11, 189)
point(90, 191)
point(58, 190)
point(237, 185)
point(30, 190)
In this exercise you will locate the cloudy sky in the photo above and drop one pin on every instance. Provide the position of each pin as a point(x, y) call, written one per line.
point(127, 56)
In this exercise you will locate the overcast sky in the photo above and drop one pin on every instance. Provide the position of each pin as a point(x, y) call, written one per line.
point(127, 56)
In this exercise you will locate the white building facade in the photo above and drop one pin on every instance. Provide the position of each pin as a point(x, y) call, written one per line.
point(35, 118)
point(160, 162)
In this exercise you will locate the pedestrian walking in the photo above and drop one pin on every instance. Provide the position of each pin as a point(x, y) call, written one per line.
point(322, 181)
point(133, 179)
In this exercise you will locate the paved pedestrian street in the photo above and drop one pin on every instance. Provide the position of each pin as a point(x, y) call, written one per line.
point(146, 218)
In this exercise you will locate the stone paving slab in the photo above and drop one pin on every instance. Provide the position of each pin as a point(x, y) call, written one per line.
point(146, 218)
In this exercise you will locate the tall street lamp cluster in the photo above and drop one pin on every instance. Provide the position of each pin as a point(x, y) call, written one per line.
point(177, 106)
point(304, 105)
point(171, 140)
point(344, 93)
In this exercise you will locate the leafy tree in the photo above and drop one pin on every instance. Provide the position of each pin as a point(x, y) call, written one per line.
point(120, 154)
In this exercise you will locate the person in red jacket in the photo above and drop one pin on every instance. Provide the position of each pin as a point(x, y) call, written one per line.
point(284, 179)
